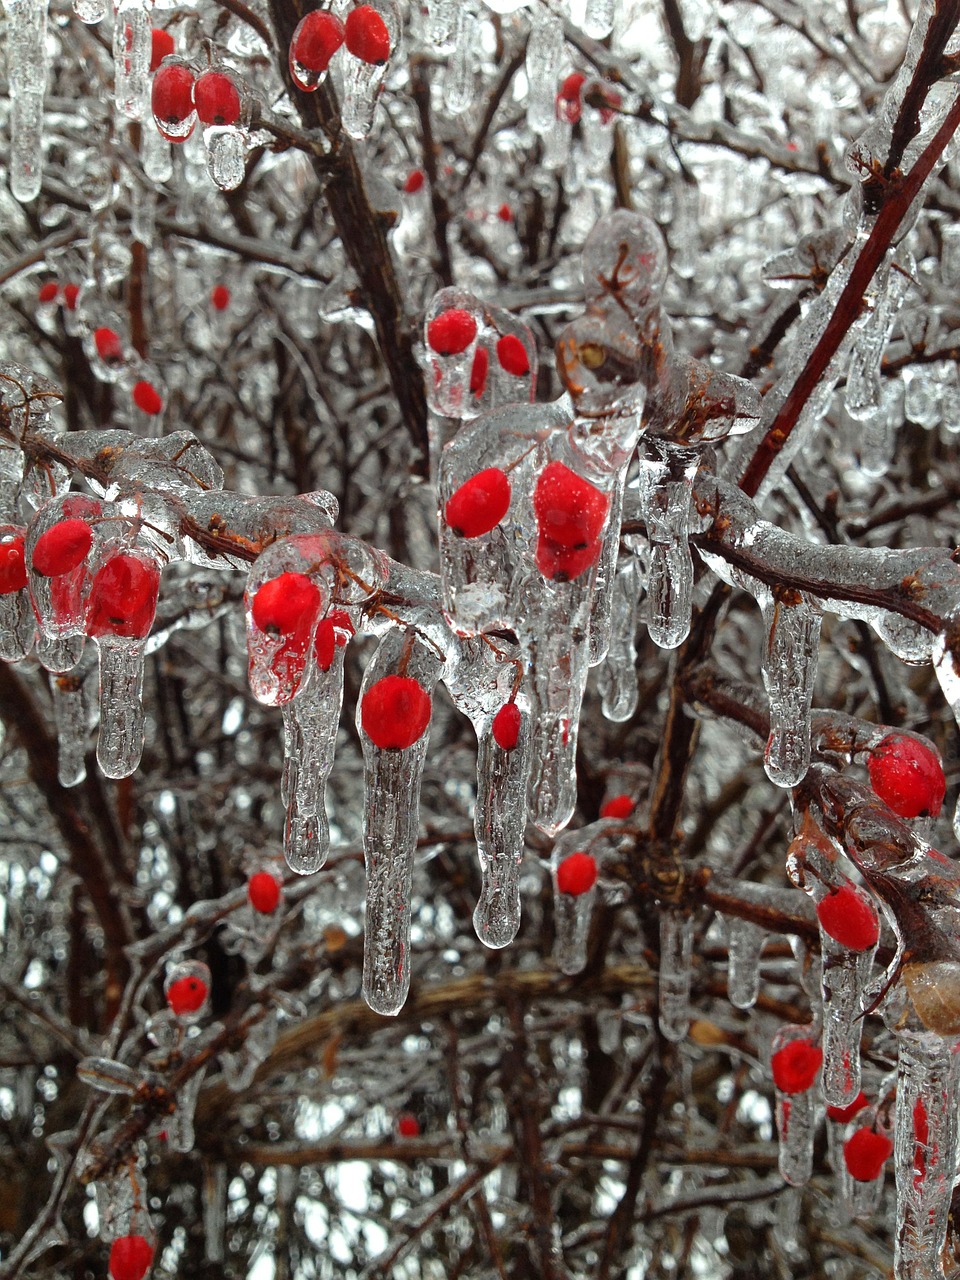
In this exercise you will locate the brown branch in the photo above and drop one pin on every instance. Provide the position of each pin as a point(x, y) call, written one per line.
point(901, 196)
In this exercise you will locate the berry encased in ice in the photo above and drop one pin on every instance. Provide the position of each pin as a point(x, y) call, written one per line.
point(506, 726)
point(796, 1065)
point(865, 1153)
point(367, 36)
point(217, 99)
point(108, 344)
point(123, 597)
point(147, 398)
point(161, 44)
point(263, 891)
point(849, 918)
point(570, 511)
point(512, 355)
point(907, 775)
point(451, 332)
point(317, 38)
point(130, 1257)
point(618, 807)
point(13, 568)
point(186, 995)
point(479, 504)
point(62, 547)
point(395, 712)
point(577, 874)
point(284, 604)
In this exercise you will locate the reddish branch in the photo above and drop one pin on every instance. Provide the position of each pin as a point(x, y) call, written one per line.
point(901, 195)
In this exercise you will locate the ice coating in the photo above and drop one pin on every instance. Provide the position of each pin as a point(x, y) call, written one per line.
point(226, 151)
point(392, 780)
point(745, 943)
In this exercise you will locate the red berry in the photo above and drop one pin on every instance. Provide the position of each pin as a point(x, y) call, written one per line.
point(108, 344)
point(317, 38)
point(842, 1115)
point(506, 726)
point(186, 995)
point(48, 292)
point(367, 36)
point(512, 355)
point(330, 634)
point(216, 98)
point(577, 874)
point(13, 568)
point(408, 1126)
point(849, 918)
point(568, 99)
point(570, 510)
point(284, 604)
point(220, 297)
point(161, 43)
point(62, 547)
point(618, 807)
point(123, 597)
point(795, 1066)
point(70, 294)
point(171, 98)
point(560, 564)
point(395, 712)
point(147, 398)
point(907, 775)
point(478, 371)
point(451, 332)
point(479, 504)
point(130, 1257)
point(865, 1153)
point(263, 890)
point(414, 182)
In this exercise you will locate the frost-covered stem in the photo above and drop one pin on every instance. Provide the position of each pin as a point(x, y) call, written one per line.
point(925, 1150)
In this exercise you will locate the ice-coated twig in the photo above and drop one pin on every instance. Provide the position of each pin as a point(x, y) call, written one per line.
point(745, 943)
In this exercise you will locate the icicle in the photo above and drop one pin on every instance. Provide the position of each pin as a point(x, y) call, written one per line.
point(845, 977)
point(617, 678)
point(392, 778)
point(215, 1182)
point(925, 1149)
point(545, 47)
point(226, 152)
point(795, 1061)
point(363, 75)
point(181, 1132)
point(442, 24)
point(604, 581)
point(598, 18)
point(71, 722)
point(120, 742)
point(667, 473)
point(131, 57)
point(676, 973)
point(459, 81)
point(745, 943)
point(27, 73)
point(311, 724)
point(789, 667)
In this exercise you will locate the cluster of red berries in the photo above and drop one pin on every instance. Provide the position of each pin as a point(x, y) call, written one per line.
point(453, 332)
point(51, 292)
point(180, 97)
point(321, 33)
point(907, 775)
